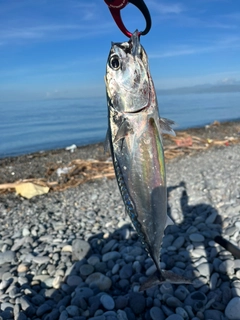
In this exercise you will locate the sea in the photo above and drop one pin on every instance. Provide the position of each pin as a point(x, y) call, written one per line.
point(32, 126)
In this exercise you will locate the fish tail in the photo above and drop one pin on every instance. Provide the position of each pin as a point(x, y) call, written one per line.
point(164, 276)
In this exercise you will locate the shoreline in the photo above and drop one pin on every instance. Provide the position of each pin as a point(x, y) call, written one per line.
point(43, 165)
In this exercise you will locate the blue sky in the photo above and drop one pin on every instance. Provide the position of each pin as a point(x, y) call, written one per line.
point(58, 48)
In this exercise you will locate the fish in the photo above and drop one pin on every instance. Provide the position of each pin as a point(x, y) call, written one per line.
point(134, 137)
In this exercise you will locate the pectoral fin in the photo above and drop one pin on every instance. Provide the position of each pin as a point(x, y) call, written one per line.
point(106, 142)
point(165, 126)
point(124, 129)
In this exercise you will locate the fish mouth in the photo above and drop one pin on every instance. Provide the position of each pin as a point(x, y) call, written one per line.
point(138, 111)
point(135, 45)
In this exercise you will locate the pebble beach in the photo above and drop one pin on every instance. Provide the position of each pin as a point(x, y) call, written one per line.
point(74, 254)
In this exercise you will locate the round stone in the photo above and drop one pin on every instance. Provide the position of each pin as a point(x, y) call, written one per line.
point(73, 280)
point(113, 255)
point(107, 302)
point(126, 271)
point(86, 269)
point(40, 259)
point(67, 248)
point(227, 266)
point(178, 243)
point(197, 300)
point(43, 309)
point(232, 310)
point(80, 249)
point(196, 237)
point(156, 313)
point(99, 280)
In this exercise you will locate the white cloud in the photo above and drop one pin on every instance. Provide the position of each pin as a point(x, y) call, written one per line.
point(165, 8)
point(227, 42)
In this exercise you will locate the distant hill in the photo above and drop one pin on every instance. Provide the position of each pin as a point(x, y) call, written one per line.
point(206, 88)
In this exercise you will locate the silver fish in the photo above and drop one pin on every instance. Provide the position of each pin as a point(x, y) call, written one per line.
point(134, 137)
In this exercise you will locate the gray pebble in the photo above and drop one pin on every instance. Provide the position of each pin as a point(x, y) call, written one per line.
point(175, 317)
point(232, 310)
point(86, 269)
point(156, 313)
point(7, 256)
point(121, 315)
point(174, 302)
point(196, 300)
point(44, 308)
point(126, 271)
point(73, 311)
point(181, 292)
point(213, 314)
point(108, 246)
point(227, 266)
point(107, 302)
point(100, 280)
point(183, 313)
point(80, 249)
point(73, 280)
point(113, 255)
point(40, 259)
point(205, 269)
point(178, 242)
point(196, 237)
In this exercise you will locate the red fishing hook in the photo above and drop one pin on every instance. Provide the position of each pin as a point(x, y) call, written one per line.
point(115, 6)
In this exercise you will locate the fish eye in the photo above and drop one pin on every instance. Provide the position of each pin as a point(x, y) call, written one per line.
point(115, 62)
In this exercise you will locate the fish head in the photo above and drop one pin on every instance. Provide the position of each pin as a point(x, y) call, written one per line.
point(127, 76)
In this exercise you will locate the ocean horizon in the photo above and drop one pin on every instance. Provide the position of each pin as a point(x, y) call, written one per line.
point(32, 126)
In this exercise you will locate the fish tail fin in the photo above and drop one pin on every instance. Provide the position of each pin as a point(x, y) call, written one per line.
point(163, 276)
